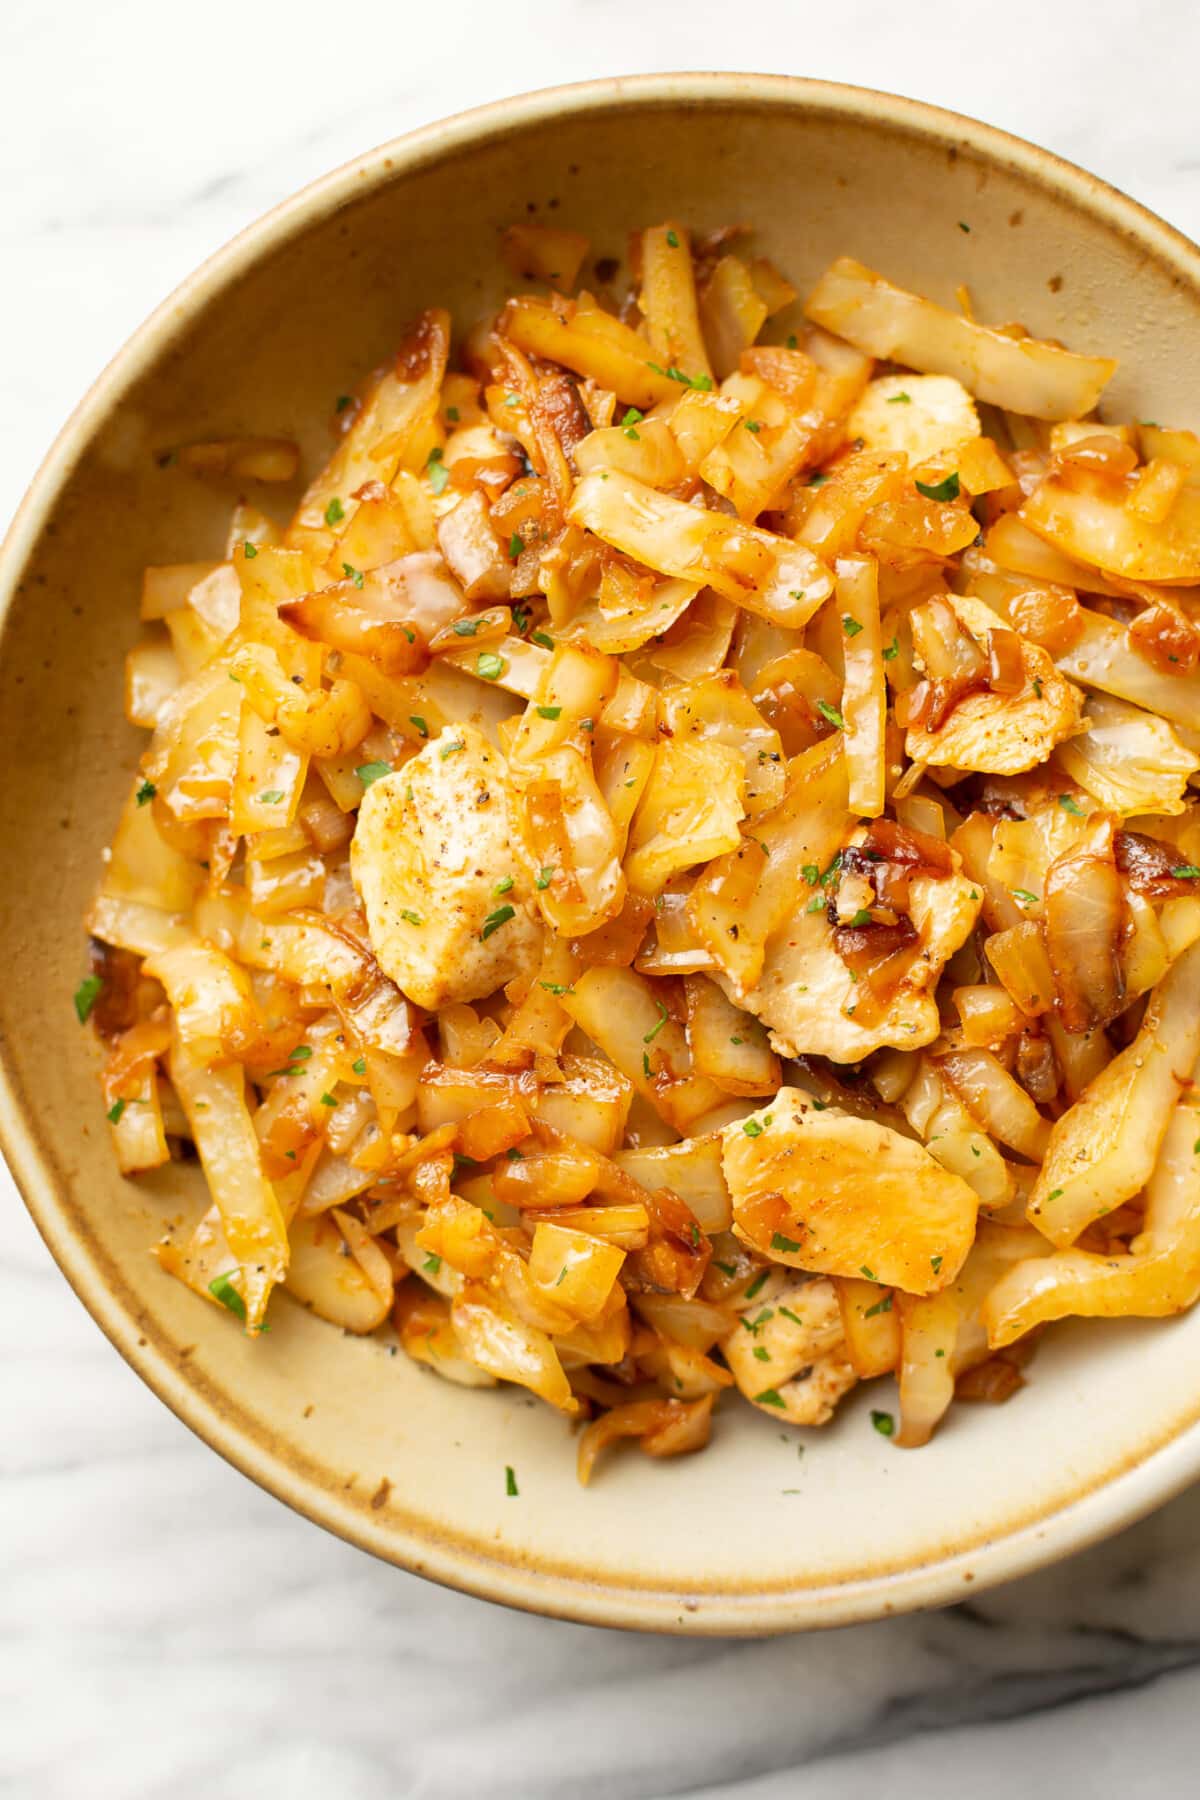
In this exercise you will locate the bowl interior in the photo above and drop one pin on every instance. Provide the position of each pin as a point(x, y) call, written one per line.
point(752, 1535)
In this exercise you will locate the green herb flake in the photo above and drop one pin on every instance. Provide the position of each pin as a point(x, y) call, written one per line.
point(542, 638)
point(549, 712)
point(451, 749)
point(963, 226)
point(352, 574)
point(850, 626)
point(452, 414)
point(1186, 872)
point(465, 627)
point(431, 1265)
point(1069, 804)
point(788, 1245)
point(673, 239)
point(880, 1306)
point(883, 1422)
point(757, 1283)
point(510, 1482)
point(413, 918)
point(900, 399)
point(663, 1016)
point(892, 651)
point(495, 920)
point(515, 1155)
point(753, 425)
point(1024, 896)
point(935, 1263)
point(146, 793)
point(222, 1289)
point(436, 470)
point(816, 904)
point(544, 878)
point(818, 480)
point(752, 1128)
point(335, 512)
point(557, 987)
point(771, 1397)
point(503, 885)
point(940, 490)
point(1054, 1194)
point(86, 996)
point(249, 550)
point(516, 544)
point(867, 1274)
point(272, 797)
point(831, 715)
point(360, 1067)
point(328, 1100)
point(371, 772)
point(343, 401)
point(861, 917)
point(113, 1115)
point(489, 666)
point(785, 1312)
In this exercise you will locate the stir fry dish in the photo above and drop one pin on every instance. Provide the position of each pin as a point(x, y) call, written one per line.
point(677, 868)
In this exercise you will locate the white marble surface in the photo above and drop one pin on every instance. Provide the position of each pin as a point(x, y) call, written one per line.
point(165, 1628)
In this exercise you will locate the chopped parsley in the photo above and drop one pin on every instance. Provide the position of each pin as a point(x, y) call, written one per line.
point(788, 1245)
point(249, 550)
point(756, 1284)
point(449, 749)
point(771, 1397)
point(503, 885)
point(86, 996)
point(752, 1128)
point(850, 626)
point(940, 490)
point(510, 1482)
point(516, 544)
point(901, 399)
point(496, 919)
point(880, 1306)
point(549, 712)
point(146, 793)
point(1054, 1194)
point(892, 650)
point(113, 1115)
point(360, 1067)
point(431, 1265)
point(632, 417)
point(754, 425)
point(372, 771)
point(489, 666)
point(963, 226)
point(883, 1422)
point(1024, 896)
point(418, 724)
point(861, 917)
point(831, 715)
point(818, 480)
point(413, 918)
point(272, 797)
point(1069, 804)
point(544, 878)
point(673, 239)
point(541, 637)
point(222, 1289)
point(935, 1263)
point(867, 1274)
point(816, 904)
point(762, 1353)
point(663, 1016)
point(466, 627)
point(557, 987)
point(335, 512)
point(352, 574)
point(436, 470)
point(1186, 872)
point(703, 382)
point(328, 1100)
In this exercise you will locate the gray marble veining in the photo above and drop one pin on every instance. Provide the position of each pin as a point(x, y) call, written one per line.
point(167, 1629)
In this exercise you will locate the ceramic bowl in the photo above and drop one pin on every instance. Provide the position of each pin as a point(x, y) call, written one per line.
point(750, 1537)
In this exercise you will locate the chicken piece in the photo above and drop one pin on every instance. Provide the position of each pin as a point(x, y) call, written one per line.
point(922, 415)
point(808, 998)
point(434, 845)
point(818, 1189)
point(787, 1351)
point(1000, 734)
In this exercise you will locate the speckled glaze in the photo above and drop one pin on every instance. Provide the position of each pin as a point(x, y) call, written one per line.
point(747, 1538)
